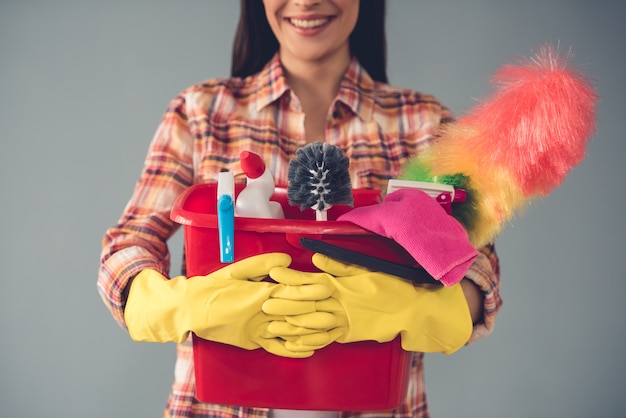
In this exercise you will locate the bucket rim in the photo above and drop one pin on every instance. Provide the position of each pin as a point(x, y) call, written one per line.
point(186, 217)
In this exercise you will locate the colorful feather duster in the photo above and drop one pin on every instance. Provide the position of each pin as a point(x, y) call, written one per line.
point(515, 146)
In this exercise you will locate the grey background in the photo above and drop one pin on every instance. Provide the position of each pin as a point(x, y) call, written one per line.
point(83, 85)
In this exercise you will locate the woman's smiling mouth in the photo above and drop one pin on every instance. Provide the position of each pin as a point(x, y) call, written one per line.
point(309, 23)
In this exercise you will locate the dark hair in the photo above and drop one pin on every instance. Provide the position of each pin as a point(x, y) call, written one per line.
point(255, 43)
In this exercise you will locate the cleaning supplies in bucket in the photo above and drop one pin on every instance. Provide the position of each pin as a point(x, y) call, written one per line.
point(332, 379)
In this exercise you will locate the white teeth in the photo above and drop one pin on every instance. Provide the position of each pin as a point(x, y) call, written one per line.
point(307, 24)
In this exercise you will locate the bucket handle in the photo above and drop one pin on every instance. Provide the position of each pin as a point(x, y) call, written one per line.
point(294, 238)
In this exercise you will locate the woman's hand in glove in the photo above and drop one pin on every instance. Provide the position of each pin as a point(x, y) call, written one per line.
point(369, 305)
point(224, 306)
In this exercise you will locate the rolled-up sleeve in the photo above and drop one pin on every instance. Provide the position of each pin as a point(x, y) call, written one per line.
point(485, 272)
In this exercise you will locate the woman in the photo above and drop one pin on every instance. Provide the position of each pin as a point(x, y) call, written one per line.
point(302, 71)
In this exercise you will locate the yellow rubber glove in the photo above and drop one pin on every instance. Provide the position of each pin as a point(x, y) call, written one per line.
point(224, 306)
point(374, 306)
point(326, 316)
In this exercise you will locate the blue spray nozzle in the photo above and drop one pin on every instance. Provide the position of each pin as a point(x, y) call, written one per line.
point(226, 216)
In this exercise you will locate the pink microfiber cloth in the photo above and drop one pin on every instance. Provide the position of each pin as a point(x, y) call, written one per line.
point(417, 222)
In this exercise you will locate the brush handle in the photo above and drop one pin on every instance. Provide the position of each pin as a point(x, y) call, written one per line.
point(417, 275)
point(321, 215)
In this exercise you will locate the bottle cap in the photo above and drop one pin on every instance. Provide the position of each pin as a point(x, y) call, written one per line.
point(252, 165)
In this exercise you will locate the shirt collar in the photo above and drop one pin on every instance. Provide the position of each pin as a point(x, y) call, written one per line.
point(271, 83)
point(355, 91)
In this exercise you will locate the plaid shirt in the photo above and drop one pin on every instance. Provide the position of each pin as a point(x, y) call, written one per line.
point(203, 131)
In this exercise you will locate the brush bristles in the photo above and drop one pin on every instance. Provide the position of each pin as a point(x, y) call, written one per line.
point(319, 177)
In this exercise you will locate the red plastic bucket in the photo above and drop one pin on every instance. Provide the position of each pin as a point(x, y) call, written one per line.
point(356, 376)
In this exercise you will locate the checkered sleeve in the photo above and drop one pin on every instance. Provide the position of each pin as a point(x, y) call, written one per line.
point(485, 272)
point(138, 240)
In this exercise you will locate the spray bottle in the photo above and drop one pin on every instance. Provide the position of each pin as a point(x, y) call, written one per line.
point(254, 200)
point(226, 216)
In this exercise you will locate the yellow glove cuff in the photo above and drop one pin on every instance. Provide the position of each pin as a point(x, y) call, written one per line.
point(440, 320)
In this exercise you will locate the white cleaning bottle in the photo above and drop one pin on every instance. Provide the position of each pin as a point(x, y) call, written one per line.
point(254, 200)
